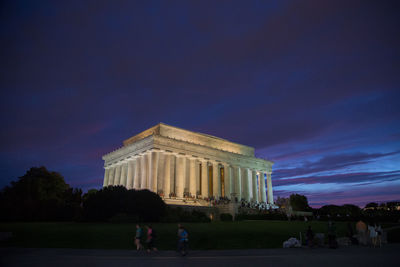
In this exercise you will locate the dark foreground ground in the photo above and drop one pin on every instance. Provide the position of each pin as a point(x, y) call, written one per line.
point(203, 236)
point(350, 256)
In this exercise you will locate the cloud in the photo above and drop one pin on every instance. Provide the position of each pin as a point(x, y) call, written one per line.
point(298, 81)
point(350, 193)
point(343, 178)
point(332, 163)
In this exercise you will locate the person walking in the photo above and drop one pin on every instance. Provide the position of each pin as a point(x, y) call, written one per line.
point(180, 229)
point(310, 237)
point(372, 234)
point(183, 240)
point(150, 241)
point(361, 228)
point(379, 231)
point(138, 237)
point(332, 235)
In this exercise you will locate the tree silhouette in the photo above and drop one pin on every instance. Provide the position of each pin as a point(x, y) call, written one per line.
point(372, 205)
point(39, 195)
point(139, 205)
point(299, 202)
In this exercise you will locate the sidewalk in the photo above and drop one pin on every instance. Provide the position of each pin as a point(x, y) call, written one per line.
point(349, 256)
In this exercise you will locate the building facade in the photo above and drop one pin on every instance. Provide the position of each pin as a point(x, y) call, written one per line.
point(179, 164)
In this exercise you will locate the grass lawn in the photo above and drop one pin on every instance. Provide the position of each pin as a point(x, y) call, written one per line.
point(218, 235)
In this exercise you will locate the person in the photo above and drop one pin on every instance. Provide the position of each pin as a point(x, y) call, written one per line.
point(180, 229)
point(372, 234)
point(310, 237)
point(350, 234)
point(361, 228)
point(150, 239)
point(183, 240)
point(138, 237)
point(332, 235)
point(378, 229)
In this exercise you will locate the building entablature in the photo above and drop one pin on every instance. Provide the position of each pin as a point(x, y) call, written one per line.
point(186, 136)
point(186, 149)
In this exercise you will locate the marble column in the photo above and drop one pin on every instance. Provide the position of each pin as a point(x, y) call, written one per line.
point(227, 180)
point(155, 157)
point(259, 187)
point(111, 175)
point(198, 177)
point(263, 196)
point(250, 184)
point(106, 174)
point(160, 172)
point(245, 184)
point(186, 180)
point(117, 176)
point(167, 174)
point(173, 173)
point(153, 168)
point(238, 182)
point(204, 179)
point(180, 175)
point(136, 173)
point(216, 180)
point(255, 185)
point(143, 171)
point(129, 175)
point(122, 180)
point(192, 177)
point(242, 186)
point(269, 188)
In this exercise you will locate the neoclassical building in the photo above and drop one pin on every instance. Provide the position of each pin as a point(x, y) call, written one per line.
point(179, 164)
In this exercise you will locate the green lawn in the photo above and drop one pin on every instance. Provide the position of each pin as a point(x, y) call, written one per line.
point(218, 235)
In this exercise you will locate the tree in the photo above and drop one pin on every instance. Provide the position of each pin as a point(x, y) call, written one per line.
point(331, 210)
point(351, 210)
point(39, 195)
point(283, 202)
point(299, 202)
point(393, 205)
point(89, 193)
point(372, 205)
point(347, 211)
point(137, 205)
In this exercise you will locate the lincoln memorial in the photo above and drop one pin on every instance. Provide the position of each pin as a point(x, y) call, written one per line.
point(180, 165)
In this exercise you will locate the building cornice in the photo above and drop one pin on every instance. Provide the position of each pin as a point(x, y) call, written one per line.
point(186, 149)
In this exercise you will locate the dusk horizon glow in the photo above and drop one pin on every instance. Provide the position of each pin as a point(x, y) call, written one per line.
point(313, 86)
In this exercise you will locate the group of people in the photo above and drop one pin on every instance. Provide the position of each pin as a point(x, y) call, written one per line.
point(369, 234)
point(332, 243)
point(218, 201)
point(242, 203)
point(150, 237)
point(183, 239)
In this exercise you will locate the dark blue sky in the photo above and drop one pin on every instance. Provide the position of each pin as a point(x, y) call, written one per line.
point(312, 85)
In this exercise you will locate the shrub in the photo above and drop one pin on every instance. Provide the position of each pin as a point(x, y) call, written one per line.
point(138, 205)
point(179, 214)
point(226, 217)
point(261, 216)
point(40, 195)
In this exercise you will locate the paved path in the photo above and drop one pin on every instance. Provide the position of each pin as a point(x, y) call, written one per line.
point(350, 256)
